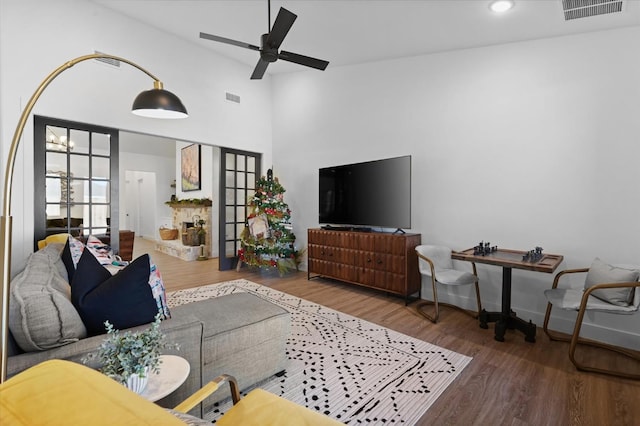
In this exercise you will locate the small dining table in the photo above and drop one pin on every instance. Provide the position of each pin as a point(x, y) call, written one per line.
point(509, 259)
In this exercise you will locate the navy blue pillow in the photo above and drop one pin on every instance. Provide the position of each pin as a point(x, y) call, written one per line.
point(124, 299)
point(68, 261)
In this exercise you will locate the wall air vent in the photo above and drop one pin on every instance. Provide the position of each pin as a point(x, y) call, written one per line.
point(575, 9)
point(108, 61)
point(233, 98)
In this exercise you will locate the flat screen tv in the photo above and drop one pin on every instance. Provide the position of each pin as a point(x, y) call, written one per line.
point(369, 194)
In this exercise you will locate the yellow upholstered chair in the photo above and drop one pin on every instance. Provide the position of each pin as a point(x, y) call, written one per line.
point(435, 263)
point(58, 392)
point(612, 289)
point(55, 238)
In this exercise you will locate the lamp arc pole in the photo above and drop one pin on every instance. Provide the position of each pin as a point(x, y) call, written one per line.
point(6, 220)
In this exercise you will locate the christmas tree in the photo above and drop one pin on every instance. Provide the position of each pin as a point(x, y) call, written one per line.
point(267, 240)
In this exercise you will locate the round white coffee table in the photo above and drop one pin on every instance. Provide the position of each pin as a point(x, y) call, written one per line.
point(174, 370)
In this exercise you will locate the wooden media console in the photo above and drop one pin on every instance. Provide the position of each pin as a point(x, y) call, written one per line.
point(383, 261)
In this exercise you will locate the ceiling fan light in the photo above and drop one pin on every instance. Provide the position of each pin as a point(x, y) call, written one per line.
point(501, 6)
point(159, 103)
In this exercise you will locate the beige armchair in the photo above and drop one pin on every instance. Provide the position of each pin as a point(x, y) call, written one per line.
point(607, 288)
point(435, 263)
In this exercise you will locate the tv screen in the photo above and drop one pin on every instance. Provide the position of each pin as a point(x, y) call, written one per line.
point(373, 193)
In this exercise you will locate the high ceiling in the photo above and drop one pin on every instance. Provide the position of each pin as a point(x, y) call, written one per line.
point(347, 32)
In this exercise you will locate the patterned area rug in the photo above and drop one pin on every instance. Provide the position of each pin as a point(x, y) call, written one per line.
point(352, 370)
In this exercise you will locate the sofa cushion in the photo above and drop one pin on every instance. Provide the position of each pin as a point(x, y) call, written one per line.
point(603, 273)
point(41, 315)
point(124, 299)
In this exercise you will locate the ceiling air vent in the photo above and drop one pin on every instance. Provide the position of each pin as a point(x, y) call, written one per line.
point(108, 61)
point(575, 9)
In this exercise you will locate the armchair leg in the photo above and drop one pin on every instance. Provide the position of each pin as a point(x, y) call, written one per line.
point(574, 340)
point(207, 390)
point(420, 306)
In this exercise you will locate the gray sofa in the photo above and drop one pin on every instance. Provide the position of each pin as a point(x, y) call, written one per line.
point(238, 334)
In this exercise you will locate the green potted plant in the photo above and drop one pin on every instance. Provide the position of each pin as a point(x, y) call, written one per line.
point(130, 357)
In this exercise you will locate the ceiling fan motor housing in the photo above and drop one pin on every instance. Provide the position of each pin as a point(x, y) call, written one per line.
point(267, 52)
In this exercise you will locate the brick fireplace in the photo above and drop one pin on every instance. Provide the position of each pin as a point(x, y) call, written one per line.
point(188, 214)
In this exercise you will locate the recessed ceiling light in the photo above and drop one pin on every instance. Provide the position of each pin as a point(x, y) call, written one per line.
point(501, 6)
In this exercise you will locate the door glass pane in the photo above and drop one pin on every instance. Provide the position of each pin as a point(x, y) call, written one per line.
point(239, 229)
point(56, 215)
point(100, 168)
point(229, 233)
point(230, 161)
point(77, 214)
point(99, 217)
point(241, 198)
point(230, 249)
point(56, 162)
point(251, 180)
point(240, 214)
point(79, 141)
point(100, 191)
point(228, 217)
point(251, 164)
point(53, 190)
point(77, 193)
point(231, 178)
point(240, 162)
point(56, 138)
point(229, 196)
point(100, 144)
point(79, 166)
point(241, 180)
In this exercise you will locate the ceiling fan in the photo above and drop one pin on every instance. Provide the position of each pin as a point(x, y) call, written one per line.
point(270, 43)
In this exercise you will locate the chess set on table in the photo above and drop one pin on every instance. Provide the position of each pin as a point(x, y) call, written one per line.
point(485, 249)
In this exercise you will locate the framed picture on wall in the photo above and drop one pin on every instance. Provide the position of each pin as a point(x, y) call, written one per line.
point(190, 167)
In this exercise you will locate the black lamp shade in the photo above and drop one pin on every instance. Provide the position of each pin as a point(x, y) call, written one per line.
point(159, 103)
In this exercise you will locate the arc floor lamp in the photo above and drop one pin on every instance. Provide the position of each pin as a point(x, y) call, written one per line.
point(155, 103)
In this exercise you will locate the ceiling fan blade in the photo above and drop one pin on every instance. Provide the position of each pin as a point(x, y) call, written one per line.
point(259, 70)
point(281, 27)
point(228, 41)
point(303, 60)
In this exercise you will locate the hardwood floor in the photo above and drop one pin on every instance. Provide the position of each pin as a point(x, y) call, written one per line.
point(507, 383)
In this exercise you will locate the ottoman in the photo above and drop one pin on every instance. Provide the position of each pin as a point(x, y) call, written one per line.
point(244, 336)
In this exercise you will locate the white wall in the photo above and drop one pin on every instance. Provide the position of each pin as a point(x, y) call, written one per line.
point(164, 170)
point(523, 145)
point(139, 191)
point(37, 36)
point(209, 186)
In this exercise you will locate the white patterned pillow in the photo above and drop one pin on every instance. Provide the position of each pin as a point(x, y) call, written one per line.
point(157, 288)
point(100, 250)
point(76, 247)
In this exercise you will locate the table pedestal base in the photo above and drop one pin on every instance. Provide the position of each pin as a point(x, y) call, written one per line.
point(507, 319)
point(511, 322)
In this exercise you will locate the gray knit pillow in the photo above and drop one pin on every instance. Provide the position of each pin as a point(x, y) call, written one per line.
point(602, 273)
point(41, 315)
